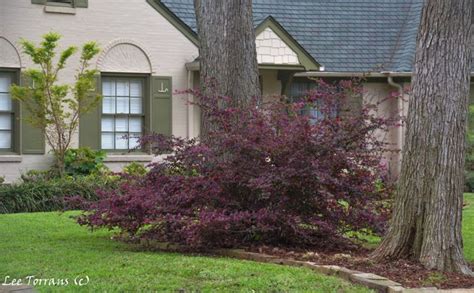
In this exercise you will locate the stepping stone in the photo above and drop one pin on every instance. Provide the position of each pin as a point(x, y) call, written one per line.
point(379, 283)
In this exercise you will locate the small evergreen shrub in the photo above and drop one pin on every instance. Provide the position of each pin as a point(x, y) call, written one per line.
point(84, 161)
point(135, 169)
point(264, 174)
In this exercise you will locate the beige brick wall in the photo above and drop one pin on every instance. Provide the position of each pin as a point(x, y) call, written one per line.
point(271, 84)
point(108, 22)
point(12, 170)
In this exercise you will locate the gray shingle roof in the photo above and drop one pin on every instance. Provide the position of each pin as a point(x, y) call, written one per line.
point(342, 35)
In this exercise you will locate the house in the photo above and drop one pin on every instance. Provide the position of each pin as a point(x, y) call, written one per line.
point(150, 48)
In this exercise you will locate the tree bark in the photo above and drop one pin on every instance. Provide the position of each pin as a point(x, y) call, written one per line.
point(426, 221)
point(227, 52)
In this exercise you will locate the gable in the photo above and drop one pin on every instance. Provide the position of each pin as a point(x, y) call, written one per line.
point(271, 49)
point(283, 46)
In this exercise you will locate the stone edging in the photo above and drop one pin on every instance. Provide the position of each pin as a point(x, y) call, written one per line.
point(372, 281)
point(369, 280)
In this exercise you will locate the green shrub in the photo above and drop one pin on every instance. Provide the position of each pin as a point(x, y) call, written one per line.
point(39, 195)
point(135, 169)
point(469, 168)
point(84, 161)
point(38, 175)
point(469, 181)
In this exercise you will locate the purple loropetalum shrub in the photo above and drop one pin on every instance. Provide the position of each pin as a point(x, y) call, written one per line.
point(264, 174)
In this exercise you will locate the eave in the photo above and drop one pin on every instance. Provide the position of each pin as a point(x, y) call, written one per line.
point(195, 66)
point(352, 74)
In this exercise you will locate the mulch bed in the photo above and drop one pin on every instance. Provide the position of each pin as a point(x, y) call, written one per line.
point(405, 272)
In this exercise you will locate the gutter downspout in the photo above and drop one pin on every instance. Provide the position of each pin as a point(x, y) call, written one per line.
point(401, 109)
point(189, 106)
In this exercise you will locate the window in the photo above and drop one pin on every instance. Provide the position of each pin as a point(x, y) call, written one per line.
point(298, 90)
point(6, 111)
point(301, 88)
point(122, 116)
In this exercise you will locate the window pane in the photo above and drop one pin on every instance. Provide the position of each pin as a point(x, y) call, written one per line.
point(107, 141)
point(108, 87)
point(108, 105)
point(136, 105)
point(315, 113)
point(107, 124)
point(5, 122)
point(298, 89)
point(135, 124)
point(5, 82)
point(133, 141)
point(121, 124)
point(5, 102)
point(5, 139)
point(122, 105)
point(135, 88)
point(121, 143)
point(122, 88)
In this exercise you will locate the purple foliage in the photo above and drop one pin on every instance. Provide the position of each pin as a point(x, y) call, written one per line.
point(265, 174)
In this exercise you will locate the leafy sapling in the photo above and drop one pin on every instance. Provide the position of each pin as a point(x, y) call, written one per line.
point(54, 107)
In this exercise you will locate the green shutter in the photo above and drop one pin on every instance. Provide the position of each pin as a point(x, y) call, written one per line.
point(81, 3)
point(161, 92)
point(38, 2)
point(32, 138)
point(17, 119)
point(16, 127)
point(89, 123)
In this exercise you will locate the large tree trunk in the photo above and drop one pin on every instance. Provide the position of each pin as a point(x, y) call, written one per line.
point(426, 223)
point(227, 50)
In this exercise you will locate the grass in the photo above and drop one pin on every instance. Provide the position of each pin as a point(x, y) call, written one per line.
point(468, 226)
point(371, 241)
point(51, 245)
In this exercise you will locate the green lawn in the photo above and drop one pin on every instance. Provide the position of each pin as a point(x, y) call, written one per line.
point(468, 226)
point(51, 245)
point(467, 229)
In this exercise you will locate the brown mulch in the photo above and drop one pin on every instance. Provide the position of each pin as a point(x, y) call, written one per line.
point(405, 272)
